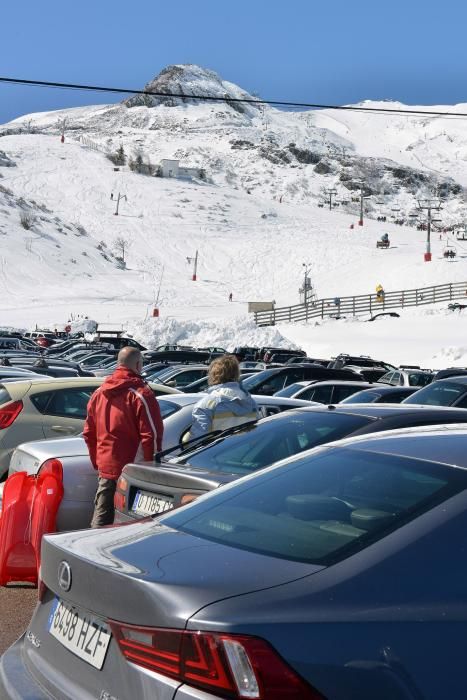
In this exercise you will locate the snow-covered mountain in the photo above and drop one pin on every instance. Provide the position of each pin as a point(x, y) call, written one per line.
point(255, 216)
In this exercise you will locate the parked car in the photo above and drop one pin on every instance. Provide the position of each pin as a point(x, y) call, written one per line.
point(335, 574)
point(329, 391)
point(247, 352)
point(443, 392)
point(179, 376)
point(266, 354)
point(450, 372)
point(381, 394)
point(29, 362)
point(44, 408)
point(308, 360)
point(13, 343)
point(361, 360)
point(369, 374)
point(71, 456)
point(405, 377)
point(178, 478)
point(271, 381)
point(178, 356)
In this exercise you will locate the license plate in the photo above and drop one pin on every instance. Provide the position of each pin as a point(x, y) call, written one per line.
point(150, 504)
point(84, 635)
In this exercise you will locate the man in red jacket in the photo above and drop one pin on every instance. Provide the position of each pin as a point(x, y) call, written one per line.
point(124, 425)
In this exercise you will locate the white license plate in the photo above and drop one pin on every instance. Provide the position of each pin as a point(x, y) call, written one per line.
point(150, 504)
point(84, 635)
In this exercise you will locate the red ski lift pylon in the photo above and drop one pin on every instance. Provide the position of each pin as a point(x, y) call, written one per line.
point(30, 505)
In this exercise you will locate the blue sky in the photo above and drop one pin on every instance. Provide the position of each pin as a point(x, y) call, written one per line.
point(304, 50)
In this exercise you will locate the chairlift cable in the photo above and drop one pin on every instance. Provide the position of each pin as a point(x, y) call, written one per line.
point(239, 100)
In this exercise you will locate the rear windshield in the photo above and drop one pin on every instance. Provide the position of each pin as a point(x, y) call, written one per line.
point(4, 395)
point(443, 393)
point(290, 390)
point(322, 507)
point(365, 396)
point(167, 407)
point(420, 378)
point(264, 443)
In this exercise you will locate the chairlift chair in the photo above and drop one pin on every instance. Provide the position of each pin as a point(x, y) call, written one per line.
point(449, 251)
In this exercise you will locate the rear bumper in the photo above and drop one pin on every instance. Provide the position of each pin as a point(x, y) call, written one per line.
point(16, 683)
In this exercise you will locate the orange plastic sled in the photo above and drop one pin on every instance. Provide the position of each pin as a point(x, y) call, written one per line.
point(30, 505)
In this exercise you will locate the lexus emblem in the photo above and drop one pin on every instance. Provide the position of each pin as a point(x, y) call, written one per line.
point(64, 576)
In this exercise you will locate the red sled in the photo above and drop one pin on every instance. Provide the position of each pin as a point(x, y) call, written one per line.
point(30, 505)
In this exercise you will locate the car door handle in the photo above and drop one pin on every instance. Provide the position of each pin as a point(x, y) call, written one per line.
point(60, 428)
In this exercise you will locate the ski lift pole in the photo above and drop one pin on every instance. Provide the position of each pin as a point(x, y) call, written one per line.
point(195, 265)
point(120, 196)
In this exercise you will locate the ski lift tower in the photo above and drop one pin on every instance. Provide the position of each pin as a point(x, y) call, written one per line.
point(307, 291)
point(429, 205)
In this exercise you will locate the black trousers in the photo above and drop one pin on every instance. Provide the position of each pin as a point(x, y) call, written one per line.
point(104, 509)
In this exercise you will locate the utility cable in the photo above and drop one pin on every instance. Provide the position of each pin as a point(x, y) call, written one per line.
point(237, 100)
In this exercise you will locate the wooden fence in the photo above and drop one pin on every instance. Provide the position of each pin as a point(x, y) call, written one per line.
point(362, 304)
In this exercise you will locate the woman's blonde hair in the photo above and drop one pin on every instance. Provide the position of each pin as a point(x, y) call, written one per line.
point(224, 369)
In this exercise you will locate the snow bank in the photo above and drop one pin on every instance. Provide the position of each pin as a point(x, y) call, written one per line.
point(226, 333)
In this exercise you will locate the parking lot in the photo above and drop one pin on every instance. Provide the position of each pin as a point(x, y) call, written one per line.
point(326, 508)
point(16, 604)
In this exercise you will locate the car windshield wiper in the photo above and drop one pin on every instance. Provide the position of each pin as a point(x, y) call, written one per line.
point(202, 440)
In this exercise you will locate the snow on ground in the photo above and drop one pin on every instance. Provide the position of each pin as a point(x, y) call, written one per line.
point(254, 223)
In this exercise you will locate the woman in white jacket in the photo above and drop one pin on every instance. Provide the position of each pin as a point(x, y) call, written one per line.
point(227, 403)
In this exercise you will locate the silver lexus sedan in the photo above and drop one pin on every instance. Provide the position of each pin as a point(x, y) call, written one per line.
point(339, 573)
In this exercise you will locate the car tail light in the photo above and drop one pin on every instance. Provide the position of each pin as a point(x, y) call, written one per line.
point(232, 666)
point(9, 413)
point(52, 466)
point(119, 500)
point(122, 484)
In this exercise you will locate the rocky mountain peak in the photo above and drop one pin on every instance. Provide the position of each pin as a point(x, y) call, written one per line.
point(188, 80)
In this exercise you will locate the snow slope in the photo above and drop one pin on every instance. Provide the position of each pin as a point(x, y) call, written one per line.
point(254, 222)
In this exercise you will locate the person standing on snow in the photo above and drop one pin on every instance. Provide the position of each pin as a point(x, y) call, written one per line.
point(227, 403)
point(123, 425)
point(230, 296)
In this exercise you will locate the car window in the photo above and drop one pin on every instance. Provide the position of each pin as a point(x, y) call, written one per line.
point(40, 400)
point(365, 396)
point(4, 396)
point(265, 382)
point(386, 378)
point(420, 379)
point(396, 379)
point(168, 408)
point(289, 390)
point(323, 507)
point(394, 397)
point(341, 392)
point(442, 393)
point(70, 403)
point(322, 394)
point(462, 403)
point(264, 443)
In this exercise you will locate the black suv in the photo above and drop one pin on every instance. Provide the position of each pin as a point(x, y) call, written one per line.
point(361, 360)
point(269, 381)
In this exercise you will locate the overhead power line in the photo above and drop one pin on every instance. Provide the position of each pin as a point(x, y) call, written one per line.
point(241, 100)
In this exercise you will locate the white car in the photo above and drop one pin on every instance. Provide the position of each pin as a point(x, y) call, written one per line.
point(407, 377)
point(80, 477)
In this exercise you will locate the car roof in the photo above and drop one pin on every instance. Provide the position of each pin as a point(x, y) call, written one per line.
point(380, 410)
point(333, 382)
point(185, 399)
point(58, 382)
point(459, 379)
point(445, 444)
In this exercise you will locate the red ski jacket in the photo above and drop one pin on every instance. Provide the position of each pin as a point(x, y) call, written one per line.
point(124, 423)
